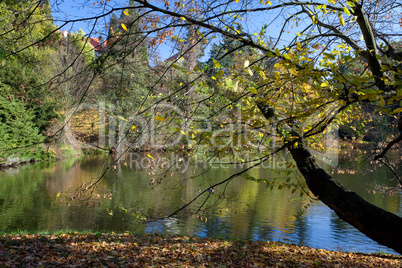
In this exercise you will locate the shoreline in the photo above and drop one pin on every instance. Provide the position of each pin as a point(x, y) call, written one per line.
point(60, 152)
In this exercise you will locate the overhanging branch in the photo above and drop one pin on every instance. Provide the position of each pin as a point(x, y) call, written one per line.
point(389, 145)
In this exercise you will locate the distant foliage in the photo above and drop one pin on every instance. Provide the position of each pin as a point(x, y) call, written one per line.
point(18, 131)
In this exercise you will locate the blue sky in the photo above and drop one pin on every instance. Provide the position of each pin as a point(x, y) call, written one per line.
point(63, 10)
point(71, 9)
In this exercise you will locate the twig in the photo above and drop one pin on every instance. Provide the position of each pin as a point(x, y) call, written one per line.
point(388, 147)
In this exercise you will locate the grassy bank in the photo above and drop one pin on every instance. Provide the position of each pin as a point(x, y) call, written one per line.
point(48, 153)
point(126, 250)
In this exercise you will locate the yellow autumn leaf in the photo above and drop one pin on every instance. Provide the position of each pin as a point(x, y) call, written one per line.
point(219, 74)
point(125, 12)
point(159, 118)
point(150, 156)
point(342, 21)
point(346, 10)
point(398, 110)
point(246, 63)
point(277, 52)
point(182, 132)
point(253, 90)
point(122, 118)
point(217, 64)
point(57, 195)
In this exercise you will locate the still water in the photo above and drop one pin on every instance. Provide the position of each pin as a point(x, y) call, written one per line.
point(245, 209)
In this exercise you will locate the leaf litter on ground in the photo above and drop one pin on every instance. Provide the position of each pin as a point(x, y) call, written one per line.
point(127, 250)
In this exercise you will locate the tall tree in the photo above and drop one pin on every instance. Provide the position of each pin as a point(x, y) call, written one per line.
point(126, 68)
point(26, 50)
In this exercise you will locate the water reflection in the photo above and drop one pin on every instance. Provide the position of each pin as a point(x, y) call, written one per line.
point(248, 210)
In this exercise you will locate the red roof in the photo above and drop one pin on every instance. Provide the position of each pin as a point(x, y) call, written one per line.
point(95, 43)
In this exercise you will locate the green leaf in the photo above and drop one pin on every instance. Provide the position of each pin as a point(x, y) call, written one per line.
point(2, 53)
point(384, 68)
point(257, 68)
point(178, 67)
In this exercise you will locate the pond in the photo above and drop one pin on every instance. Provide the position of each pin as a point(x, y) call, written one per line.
point(37, 197)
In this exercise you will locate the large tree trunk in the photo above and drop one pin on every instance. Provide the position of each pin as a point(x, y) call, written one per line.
point(378, 224)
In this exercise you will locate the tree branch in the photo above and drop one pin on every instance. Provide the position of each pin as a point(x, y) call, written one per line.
point(371, 52)
point(336, 33)
point(398, 139)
